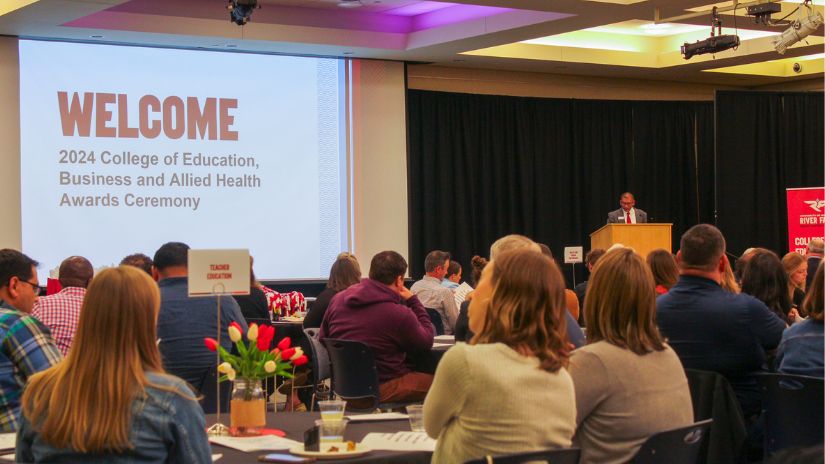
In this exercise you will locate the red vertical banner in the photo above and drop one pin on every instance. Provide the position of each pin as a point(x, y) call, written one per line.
point(806, 216)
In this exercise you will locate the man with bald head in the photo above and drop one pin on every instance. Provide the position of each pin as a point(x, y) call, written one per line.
point(61, 312)
point(628, 213)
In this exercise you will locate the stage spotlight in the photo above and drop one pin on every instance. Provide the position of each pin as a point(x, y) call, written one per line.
point(800, 29)
point(713, 44)
point(240, 11)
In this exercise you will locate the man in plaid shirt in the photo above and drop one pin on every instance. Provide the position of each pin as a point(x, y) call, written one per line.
point(26, 346)
point(61, 311)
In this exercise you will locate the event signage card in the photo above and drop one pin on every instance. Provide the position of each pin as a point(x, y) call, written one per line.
point(573, 254)
point(213, 272)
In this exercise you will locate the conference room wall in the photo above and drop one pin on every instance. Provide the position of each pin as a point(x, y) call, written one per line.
point(9, 144)
point(378, 186)
point(530, 84)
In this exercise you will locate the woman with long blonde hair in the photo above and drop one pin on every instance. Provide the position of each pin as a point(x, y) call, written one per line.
point(508, 390)
point(629, 383)
point(802, 351)
point(110, 400)
point(796, 266)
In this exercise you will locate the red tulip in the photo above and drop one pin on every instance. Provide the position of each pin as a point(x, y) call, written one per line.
point(211, 343)
point(287, 353)
point(300, 360)
point(265, 334)
point(284, 344)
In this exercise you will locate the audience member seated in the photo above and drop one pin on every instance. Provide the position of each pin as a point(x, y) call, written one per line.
point(462, 324)
point(664, 269)
point(508, 390)
point(432, 294)
point(383, 314)
point(61, 311)
point(742, 263)
point(590, 260)
point(816, 247)
point(255, 305)
point(110, 400)
point(27, 346)
point(801, 349)
point(138, 260)
point(515, 241)
point(344, 273)
point(184, 322)
point(629, 383)
point(453, 277)
point(712, 329)
point(765, 279)
point(796, 268)
point(571, 301)
point(729, 282)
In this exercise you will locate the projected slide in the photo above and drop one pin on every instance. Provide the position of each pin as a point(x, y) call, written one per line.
point(126, 148)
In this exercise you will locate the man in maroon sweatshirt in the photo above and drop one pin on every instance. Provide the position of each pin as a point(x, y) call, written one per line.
point(383, 314)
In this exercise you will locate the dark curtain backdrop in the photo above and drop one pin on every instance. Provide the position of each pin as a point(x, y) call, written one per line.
point(482, 166)
point(766, 142)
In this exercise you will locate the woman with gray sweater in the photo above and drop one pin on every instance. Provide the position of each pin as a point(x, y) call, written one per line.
point(629, 383)
point(507, 390)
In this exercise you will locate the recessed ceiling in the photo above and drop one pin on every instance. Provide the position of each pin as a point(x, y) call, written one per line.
point(601, 38)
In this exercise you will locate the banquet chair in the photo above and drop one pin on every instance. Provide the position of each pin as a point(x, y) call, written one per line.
point(792, 408)
point(677, 446)
point(554, 456)
point(319, 363)
point(714, 398)
point(438, 324)
point(355, 376)
point(207, 390)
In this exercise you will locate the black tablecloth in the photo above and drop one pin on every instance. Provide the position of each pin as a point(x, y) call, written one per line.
point(294, 424)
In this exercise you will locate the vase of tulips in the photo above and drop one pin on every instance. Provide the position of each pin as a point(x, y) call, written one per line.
point(247, 369)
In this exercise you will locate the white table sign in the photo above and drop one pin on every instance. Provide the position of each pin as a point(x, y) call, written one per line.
point(213, 272)
point(573, 255)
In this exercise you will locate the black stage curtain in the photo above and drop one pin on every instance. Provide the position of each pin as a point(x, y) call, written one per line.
point(482, 166)
point(766, 142)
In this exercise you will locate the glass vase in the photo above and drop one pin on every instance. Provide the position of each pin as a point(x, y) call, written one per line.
point(247, 409)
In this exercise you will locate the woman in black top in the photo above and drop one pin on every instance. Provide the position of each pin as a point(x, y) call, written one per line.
point(344, 273)
point(254, 306)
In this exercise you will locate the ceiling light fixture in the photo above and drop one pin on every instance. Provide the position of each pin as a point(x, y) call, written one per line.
point(350, 3)
point(714, 43)
point(799, 29)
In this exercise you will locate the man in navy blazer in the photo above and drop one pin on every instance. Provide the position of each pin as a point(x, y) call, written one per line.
point(627, 214)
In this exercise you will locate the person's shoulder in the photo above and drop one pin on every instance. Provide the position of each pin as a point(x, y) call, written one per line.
point(806, 327)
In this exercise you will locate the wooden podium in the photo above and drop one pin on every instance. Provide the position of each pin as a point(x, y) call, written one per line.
point(644, 238)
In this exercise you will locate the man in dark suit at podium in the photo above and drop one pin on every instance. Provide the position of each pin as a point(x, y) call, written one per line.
point(627, 214)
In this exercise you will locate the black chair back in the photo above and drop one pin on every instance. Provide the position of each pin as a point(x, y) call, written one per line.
point(677, 446)
point(354, 375)
point(208, 392)
point(792, 409)
point(435, 317)
point(555, 456)
point(319, 362)
point(714, 398)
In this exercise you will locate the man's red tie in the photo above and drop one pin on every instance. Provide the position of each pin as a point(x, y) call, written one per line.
point(627, 216)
